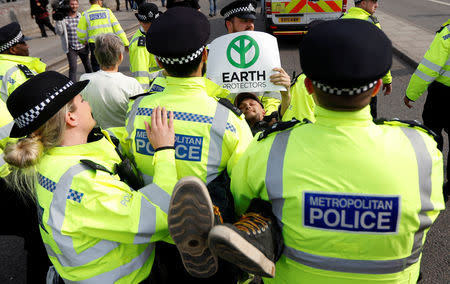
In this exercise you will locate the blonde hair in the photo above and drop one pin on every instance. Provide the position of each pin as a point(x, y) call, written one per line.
point(23, 155)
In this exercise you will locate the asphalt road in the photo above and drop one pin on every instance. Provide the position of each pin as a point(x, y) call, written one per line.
point(428, 14)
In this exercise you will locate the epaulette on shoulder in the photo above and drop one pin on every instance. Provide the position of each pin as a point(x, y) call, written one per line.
point(141, 95)
point(226, 103)
point(295, 78)
point(406, 123)
point(28, 73)
point(374, 19)
point(93, 165)
point(281, 125)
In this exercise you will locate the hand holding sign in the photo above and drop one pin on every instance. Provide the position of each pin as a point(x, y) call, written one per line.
point(238, 62)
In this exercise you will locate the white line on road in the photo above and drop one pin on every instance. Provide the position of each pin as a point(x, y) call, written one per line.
point(439, 2)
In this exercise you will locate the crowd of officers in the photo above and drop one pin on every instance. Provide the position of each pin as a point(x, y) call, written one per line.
point(201, 185)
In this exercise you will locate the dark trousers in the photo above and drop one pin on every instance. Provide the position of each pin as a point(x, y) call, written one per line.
point(373, 107)
point(72, 57)
point(435, 114)
point(20, 218)
point(94, 63)
point(45, 22)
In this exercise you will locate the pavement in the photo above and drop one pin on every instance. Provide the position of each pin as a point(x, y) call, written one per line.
point(410, 42)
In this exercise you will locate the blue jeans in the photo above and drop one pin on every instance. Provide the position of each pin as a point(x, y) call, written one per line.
point(212, 7)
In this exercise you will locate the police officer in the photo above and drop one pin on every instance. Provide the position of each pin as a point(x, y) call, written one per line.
point(364, 10)
point(96, 229)
point(433, 74)
point(354, 199)
point(16, 66)
point(240, 16)
point(97, 20)
point(143, 65)
point(210, 134)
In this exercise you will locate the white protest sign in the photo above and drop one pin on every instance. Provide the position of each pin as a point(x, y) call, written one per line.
point(243, 62)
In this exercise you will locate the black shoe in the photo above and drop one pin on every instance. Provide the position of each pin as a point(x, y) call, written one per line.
point(211, 15)
point(190, 218)
point(247, 243)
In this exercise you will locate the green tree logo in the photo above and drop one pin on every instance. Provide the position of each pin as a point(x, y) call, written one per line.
point(243, 46)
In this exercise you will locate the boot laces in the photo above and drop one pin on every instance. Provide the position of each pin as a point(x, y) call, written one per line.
point(253, 222)
point(217, 213)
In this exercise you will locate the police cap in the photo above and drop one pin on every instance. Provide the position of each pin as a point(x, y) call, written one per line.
point(346, 56)
point(244, 9)
point(147, 12)
point(178, 36)
point(10, 35)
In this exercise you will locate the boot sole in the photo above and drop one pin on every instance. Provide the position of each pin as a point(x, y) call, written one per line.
point(229, 245)
point(190, 218)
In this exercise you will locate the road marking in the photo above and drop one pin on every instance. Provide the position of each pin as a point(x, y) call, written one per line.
point(66, 67)
point(439, 2)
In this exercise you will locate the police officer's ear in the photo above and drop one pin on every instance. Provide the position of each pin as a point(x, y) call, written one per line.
point(309, 86)
point(377, 87)
point(159, 62)
point(229, 25)
point(205, 55)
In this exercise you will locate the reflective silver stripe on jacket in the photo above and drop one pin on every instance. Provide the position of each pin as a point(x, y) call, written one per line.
point(133, 40)
point(140, 74)
point(216, 134)
point(425, 167)
point(271, 94)
point(274, 173)
point(157, 195)
point(4, 89)
point(4, 133)
point(274, 184)
point(131, 115)
point(424, 76)
point(69, 257)
point(430, 65)
point(91, 28)
point(446, 74)
point(119, 272)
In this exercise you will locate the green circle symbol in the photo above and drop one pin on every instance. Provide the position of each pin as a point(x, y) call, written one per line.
point(238, 44)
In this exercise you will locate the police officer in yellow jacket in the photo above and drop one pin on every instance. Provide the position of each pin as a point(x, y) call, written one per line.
point(96, 229)
point(364, 10)
point(210, 136)
point(16, 66)
point(433, 74)
point(302, 104)
point(97, 20)
point(354, 199)
point(143, 65)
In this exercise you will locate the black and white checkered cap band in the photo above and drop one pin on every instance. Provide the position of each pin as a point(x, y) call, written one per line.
point(12, 42)
point(147, 17)
point(344, 91)
point(248, 9)
point(33, 113)
point(181, 60)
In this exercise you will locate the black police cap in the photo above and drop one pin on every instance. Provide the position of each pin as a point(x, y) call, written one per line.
point(147, 12)
point(346, 56)
point(244, 9)
point(178, 36)
point(10, 35)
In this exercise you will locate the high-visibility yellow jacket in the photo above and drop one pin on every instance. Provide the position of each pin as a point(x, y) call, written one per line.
point(435, 65)
point(209, 136)
point(14, 70)
point(95, 228)
point(354, 199)
point(143, 64)
point(12, 73)
point(97, 20)
point(358, 13)
point(302, 103)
